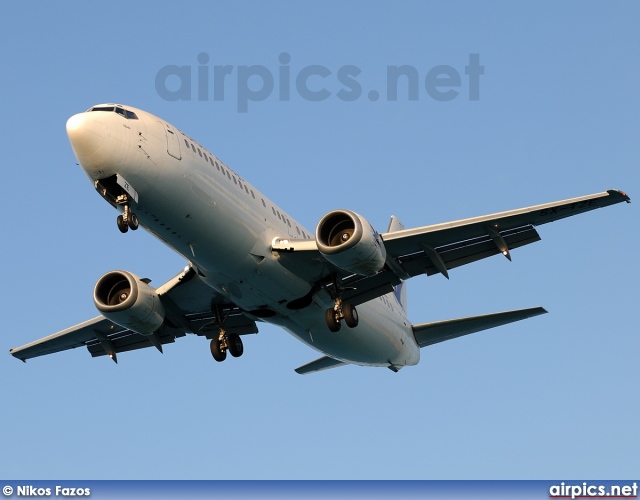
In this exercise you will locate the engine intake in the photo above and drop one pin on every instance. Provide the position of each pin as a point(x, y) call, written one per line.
point(350, 242)
point(125, 299)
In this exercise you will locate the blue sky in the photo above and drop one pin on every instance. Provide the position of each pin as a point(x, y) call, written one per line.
point(557, 117)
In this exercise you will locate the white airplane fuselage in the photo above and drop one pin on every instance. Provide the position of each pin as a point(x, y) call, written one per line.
point(225, 227)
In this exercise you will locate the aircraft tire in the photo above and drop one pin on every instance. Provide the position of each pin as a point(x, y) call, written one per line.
point(217, 352)
point(235, 345)
point(332, 322)
point(121, 224)
point(350, 315)
point(134, 223)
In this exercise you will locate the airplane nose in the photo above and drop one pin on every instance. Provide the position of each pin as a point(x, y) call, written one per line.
point(86, 135)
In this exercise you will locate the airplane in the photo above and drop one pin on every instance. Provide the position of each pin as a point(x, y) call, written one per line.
point(249, 261)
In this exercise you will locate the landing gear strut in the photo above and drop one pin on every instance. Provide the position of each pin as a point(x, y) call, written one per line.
point(230, 342)
point(128, 219)
point(340, 311)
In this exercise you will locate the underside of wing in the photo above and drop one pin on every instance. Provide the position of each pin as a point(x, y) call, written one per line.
point(440, 247)
point(432, 333)
point(433, 249)
point(190, 307)
point(77, 336)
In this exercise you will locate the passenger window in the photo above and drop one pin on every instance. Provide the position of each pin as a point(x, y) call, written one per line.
point(186, 142)
point(298, 229)
point(200, 152)
point(205, 158)
point(253, 195)
point(193, 147)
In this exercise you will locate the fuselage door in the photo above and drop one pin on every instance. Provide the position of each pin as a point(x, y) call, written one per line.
point(173, 143)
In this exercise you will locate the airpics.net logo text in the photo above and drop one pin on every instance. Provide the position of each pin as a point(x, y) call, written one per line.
point(315, 82)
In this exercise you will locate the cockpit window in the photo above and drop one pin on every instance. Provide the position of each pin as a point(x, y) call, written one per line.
point(129, 115)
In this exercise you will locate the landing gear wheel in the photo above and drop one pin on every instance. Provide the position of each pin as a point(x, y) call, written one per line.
point(332, 322)
point(122, 225)
point(350, 315)
point(218, 353)
point(133, 221)
point(234, 345)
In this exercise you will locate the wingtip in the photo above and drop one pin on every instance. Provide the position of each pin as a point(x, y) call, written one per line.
point(11, 351)
point(625, 196)
point(536, 311)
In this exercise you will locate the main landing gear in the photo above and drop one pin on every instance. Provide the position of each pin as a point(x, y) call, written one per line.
point(128, 219)
point(230, 342)
point(340, 311)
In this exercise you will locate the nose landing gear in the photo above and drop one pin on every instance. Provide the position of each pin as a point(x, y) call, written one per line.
point(128, 219)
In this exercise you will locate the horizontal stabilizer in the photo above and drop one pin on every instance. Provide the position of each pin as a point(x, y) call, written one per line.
point(431, 333)
point(323, 363)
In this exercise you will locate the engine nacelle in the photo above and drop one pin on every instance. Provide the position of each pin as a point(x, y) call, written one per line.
point(128, 301)
point(348, 241)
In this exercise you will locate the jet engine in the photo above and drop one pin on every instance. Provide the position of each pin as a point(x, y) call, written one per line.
point(128, 301)
point(348, 241)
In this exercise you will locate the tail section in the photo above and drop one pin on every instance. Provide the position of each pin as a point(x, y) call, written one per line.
point(400, 290)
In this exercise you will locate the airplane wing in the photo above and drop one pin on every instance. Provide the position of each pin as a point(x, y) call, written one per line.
point(187, 302)
point(439, 247)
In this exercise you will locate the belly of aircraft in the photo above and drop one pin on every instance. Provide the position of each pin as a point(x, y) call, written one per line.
point(231, 251)
point(378, 340)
